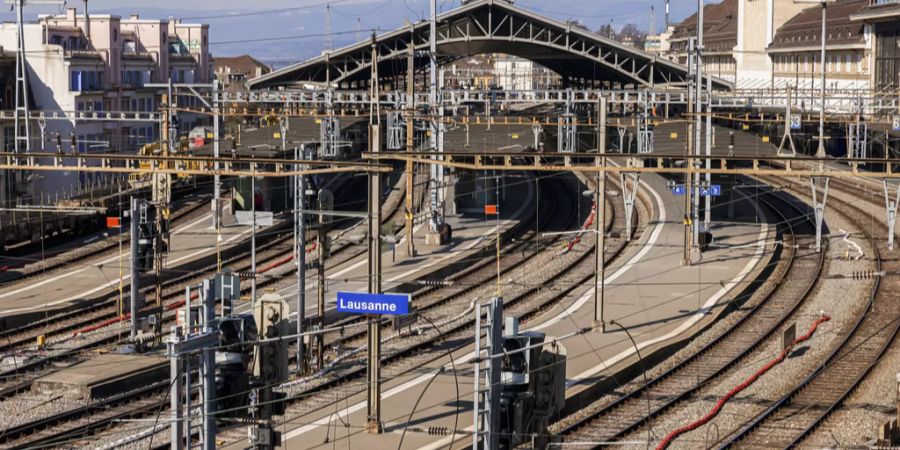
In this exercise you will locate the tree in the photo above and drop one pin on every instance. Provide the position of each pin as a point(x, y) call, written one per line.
point(577, 24)
point(630, 32)
point(606, 31)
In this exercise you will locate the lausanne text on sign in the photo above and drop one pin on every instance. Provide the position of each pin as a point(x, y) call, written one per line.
point(364, 303)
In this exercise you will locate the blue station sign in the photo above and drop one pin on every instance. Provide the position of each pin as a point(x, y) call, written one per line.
point(365, 303)
point(713, 190)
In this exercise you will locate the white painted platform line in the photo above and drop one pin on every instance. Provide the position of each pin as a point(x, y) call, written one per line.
point(465, 359)
point(588, 295)
point(105, 285)
point(68, 274)
point(757, 255)
point(443, 257)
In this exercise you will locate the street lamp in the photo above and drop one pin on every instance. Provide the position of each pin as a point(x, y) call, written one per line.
point(820, 153)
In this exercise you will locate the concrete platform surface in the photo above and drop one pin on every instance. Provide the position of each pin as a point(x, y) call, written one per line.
point(648, 291)
point(105, 375)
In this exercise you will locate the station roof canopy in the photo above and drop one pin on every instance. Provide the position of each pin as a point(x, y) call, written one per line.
point(488, 26)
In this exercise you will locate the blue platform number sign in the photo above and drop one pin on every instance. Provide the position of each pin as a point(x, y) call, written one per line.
point(365, 303)
point(795, 121)
point(895, 123)
point(713, 190)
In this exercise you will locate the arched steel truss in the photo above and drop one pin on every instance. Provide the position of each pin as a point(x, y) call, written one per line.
point(490, 26)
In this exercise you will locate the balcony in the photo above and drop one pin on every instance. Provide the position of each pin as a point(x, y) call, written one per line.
point(137, 56)
point(81, 54)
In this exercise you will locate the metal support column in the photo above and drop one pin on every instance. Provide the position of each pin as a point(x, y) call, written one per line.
point(176, 426)
point(410, 172)
point(217, 182)
point(437, 179)
point(253, 238)
point(787, 129)
point(135, 272)
point(487, 374)
point(600, 221)
point(322, 247)
point(698, 122)
point(688, 178)
point(820, 152)
point(300, 220)
point(373, 374)
point(819, 207)
point(21, 112)
point(707, 207)
point(208, 369)
point(891, 206)
point(629, 194)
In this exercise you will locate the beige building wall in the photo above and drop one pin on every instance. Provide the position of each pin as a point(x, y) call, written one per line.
point(758, 20)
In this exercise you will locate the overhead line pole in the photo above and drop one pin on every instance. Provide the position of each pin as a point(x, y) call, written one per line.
point(437, 213)
point(698, 124)
point(688, 191)
point(373, 404)
point(600, 221)
point(410, 133)
point(300, 244)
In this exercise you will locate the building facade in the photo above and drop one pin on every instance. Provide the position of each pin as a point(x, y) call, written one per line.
point(795, 52)
point(881, 19)
point(760, 44)
point(100, 63)
point(519, 74)
point(720, 25)
point(234, 71)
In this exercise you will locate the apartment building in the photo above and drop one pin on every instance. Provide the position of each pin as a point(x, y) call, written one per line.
point(234, 71)
point(519, 74)
point(795, 51)
point(720, 35)
point(98, 63)
point(775, 43)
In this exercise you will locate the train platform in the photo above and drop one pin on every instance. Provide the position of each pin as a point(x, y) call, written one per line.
point(671, 138)
point(471, 234)
point(105, 375)
point(81, 281)
point(648, 292)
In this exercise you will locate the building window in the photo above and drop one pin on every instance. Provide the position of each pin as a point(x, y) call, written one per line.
point(84, 80)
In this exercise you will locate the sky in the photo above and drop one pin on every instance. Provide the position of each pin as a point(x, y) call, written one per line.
point(285, 31)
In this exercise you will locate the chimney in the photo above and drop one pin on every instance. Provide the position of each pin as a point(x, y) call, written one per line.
point(71, 14)
point(135, 17)
point(87, 21)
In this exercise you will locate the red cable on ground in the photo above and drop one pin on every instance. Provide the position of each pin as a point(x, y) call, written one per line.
point(744, 385)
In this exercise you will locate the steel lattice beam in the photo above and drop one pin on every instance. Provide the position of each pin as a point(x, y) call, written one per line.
point(490, 26)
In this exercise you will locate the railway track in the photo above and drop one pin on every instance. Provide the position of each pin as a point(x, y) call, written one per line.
point(58, 259)
point(70, 423)
point(408, 353)
point(801, 410)
point(59, 328)
point(395, 359)
point(606, 423)
point(411, 352)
